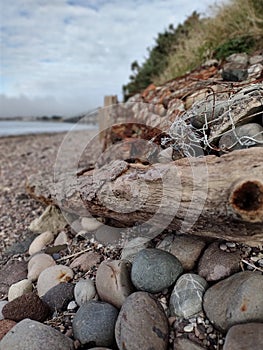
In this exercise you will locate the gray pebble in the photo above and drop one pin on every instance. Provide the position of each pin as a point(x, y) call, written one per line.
point(94, 323)
point(187, 295)
point(33, 335)
point(84, 291)
point(141, 324)
point(154, 270)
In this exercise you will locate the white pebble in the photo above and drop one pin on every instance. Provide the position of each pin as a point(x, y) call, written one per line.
point(90, 224)
point(230, 244)
point(52, 276)
point(189, 328)
point(223, 246)
point(72, 305)
point(19, 288)
point(84, 291)
point(40, 242)
point(62, 238)
point(37, 264)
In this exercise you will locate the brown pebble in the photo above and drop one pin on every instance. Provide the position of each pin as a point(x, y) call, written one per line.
point(5, 326)
point(28, 305)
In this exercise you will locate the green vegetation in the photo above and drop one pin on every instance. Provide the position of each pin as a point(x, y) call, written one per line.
point(158, 58)
point(235, 26)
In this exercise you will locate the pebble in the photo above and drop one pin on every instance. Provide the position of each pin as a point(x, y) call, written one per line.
point(86, 261)
point(12, 272)
point(40, 242)
point(2, 304)
point(51, 220)
point(186, 249)
point(108, 235)
point(153, 270)
point(189, 328)
point(26, 306)
point(90, 224)
point(19, 288)
point(113, 281)
point(52, 276)
point(231, 244)
point(141, 324)
point(132, 247)
point(186, 344)
point(216, 264)
point(37, 264)
point(58, 297)
point(61, 239)
point(230, 140)
point(100, 348)
point(72, 305)
point(94, 323)
point(33, 335)
point(84, 291)
point(244, 337)
point(5, 326)
point(187, 295)
point(237, 299)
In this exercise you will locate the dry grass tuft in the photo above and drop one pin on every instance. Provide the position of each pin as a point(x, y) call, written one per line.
point(235, 25)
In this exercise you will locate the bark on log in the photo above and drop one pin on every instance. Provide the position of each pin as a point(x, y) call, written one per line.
point(211, 196)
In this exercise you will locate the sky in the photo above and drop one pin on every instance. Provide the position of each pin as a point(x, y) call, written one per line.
point(62, 56)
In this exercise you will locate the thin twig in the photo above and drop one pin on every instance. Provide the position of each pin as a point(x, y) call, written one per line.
point(75, 254)
point(252, 265)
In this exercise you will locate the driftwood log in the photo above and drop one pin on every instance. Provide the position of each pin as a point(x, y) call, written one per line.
point(220, 197)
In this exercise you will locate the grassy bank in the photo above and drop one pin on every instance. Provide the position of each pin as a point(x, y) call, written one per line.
point(235, 26)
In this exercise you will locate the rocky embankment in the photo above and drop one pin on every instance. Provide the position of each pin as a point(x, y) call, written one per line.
point(82, 283)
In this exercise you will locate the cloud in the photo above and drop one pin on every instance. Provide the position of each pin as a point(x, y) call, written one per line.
point(79, 50)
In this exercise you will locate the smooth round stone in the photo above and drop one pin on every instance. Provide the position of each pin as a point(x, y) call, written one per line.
point(113, 281)
point(12, 272)
point(58, 297)
point(84, 291)
point(132, 247)
point(187, 295)
point(61, 239)
point(141, 324)
point(40, 242)
point(100, 348)
point(186, 249)
point(37, 264)
point(5, 326)
point(33, 335)
point(236, 299)
point(52, 276)
point(2, 304)
point(90, 224)
point(216, 264)
point(154, 270)
point(108, 235)
point(85, 261)
point(181, 343)
point(19, 288)
point(27, 306)
point(94, 323)
point(245, 336)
